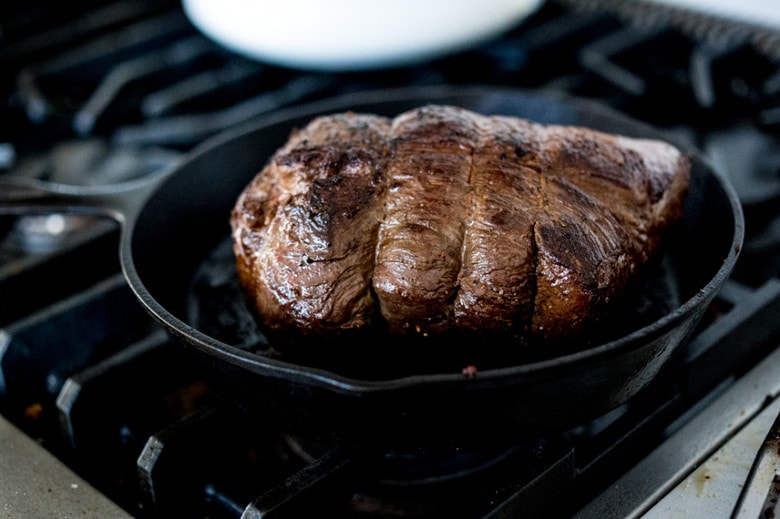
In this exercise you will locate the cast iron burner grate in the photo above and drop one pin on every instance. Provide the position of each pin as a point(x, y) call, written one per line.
point(125, 91)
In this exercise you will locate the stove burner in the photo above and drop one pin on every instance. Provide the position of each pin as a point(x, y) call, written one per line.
point(509, 482)
point(421, 467)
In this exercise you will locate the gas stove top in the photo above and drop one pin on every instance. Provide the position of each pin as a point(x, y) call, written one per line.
point(104, 417)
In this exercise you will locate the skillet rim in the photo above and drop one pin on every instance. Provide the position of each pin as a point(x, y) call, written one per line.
point(489, 378)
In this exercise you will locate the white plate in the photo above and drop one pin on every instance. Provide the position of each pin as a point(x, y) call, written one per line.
point(352, 34)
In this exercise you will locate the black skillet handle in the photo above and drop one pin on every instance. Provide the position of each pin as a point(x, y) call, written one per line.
point(26, 196)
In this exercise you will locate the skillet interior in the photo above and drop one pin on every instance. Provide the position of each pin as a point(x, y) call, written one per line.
point(186, 220)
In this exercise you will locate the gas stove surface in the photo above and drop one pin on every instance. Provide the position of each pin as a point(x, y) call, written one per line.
point(105, 418)
point(762, 13)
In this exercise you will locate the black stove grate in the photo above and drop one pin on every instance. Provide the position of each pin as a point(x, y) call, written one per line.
point(128, 90)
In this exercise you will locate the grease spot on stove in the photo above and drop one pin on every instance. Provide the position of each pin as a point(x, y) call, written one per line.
point(702, 476)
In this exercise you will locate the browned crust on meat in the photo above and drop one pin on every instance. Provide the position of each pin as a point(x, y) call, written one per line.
point(305, 228)
point(442, 219)
point(497, 277)
point(608, 200)
point(426, 201)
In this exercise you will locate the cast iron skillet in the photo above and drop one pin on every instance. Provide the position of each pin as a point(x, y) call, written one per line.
point(173, 223)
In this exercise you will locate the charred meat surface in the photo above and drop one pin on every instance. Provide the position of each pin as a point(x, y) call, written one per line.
point(442, 220)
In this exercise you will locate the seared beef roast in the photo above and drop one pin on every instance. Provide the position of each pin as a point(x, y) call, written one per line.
point(441, 220)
